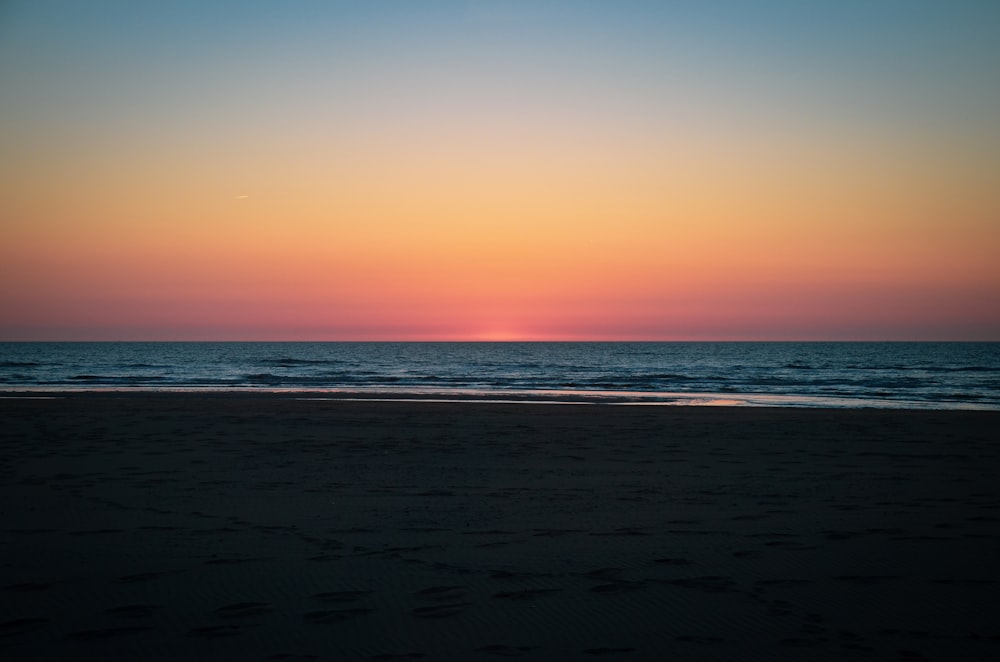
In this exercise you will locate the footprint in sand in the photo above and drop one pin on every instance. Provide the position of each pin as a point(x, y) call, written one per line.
point(504, 650)
point(782, 583)
point(709, 583)
point(142, 577)
point(106, 633)
point(327, 616)
point(603, 573)
point(442, 593)
point(620, 586)
point(133, 611)
point(27, 587)
point(243, 609)
point(677, 562)
point(747, 554)
point(216, 631)
point(21, 626)
point(526, 594)
point(340, 596)
point(868, 580)
point(698, 639)
point(440, 611)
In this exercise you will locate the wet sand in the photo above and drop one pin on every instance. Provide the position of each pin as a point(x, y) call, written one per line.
point(227, 527)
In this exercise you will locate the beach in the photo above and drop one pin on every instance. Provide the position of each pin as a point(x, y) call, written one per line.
point(280, 527)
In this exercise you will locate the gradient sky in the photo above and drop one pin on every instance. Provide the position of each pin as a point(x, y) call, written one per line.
point(500, 170)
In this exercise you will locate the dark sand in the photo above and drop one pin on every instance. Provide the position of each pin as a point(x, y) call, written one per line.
point(179, 527)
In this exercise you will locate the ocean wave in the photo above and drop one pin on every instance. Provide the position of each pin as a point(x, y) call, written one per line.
point(291, 362)
point(116, 379)
point(327, 379)
point(15, 377)
point(968, 368)
point(922, 367)
point(263, 377)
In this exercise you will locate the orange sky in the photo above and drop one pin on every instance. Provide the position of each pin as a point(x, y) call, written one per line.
point(462, 172)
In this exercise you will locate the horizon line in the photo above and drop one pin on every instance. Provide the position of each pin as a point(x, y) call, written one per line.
point(508, 340)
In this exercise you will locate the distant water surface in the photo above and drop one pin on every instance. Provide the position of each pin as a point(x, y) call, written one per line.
point(902, 375)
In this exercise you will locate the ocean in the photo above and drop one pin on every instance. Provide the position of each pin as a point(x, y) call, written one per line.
point(789, 374)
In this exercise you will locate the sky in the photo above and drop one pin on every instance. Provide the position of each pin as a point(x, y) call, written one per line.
point(500, 170)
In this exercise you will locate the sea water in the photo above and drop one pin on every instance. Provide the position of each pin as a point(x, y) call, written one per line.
point(852, 374)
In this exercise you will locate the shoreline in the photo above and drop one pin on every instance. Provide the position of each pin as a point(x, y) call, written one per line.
point(510, 396)
point(175, 526)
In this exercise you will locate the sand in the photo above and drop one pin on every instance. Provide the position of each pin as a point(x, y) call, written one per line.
point(226, 527)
